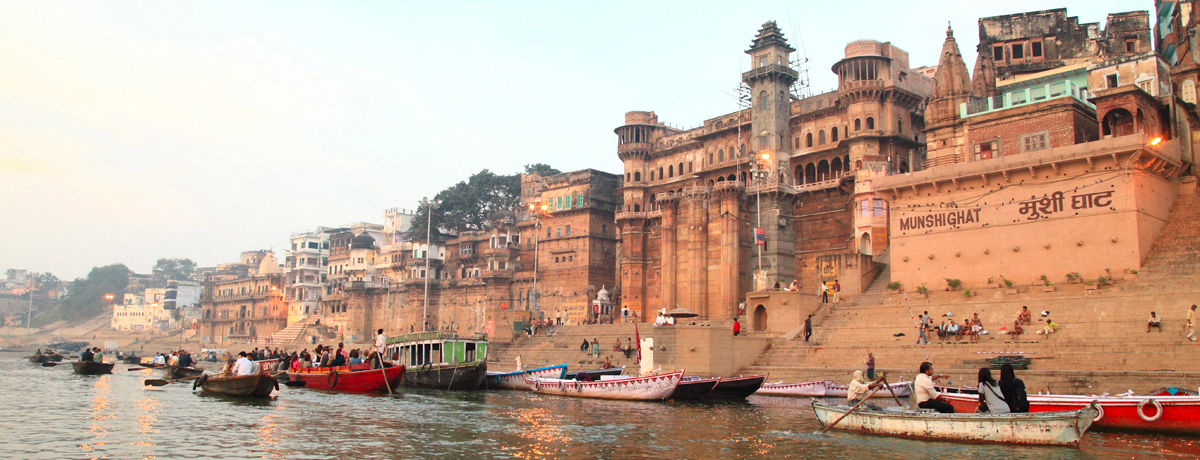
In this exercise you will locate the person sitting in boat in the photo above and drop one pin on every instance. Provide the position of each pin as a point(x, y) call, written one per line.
point(607, 363)
point(354, 357)
point(928, 396)
point(185, 359)
point(583, 377)
point(1013, 389)
point(97, 355)
point(991, 399)
point(243, 366)
point(858, 388)
point(86, 355)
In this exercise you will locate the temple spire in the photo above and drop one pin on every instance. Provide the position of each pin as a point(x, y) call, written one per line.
point(951, 84)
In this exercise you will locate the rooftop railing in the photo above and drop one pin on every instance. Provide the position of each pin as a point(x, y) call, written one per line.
point(1024, 96)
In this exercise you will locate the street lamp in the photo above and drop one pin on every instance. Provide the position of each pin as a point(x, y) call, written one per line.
point(537, 239)
point(758, 172)
point(428, 235)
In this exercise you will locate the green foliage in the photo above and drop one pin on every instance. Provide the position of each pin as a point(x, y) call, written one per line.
point(953, 283)
point(1073, 277)
point(467, 205)
point(45, 282)
point(922, 289)
point(85, 296)
point(1104, 280)
point(1006, 281)
point(1046, 281)
point(991, 281)
point(894, 285)
point(172, 269)
point(541, 169)
point(1134, 272)
point(967, 293)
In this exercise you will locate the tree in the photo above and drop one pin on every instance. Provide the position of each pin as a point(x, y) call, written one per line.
point(172, 269)
point(541, 169)
point(466, 206)
point(85, 297)
point(45, 282)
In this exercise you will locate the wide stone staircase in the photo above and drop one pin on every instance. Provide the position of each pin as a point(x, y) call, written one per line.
point(563, 347)
point(1102, 344)
point(293, 331)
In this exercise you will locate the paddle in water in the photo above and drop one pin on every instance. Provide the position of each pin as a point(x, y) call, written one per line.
point(161, 382)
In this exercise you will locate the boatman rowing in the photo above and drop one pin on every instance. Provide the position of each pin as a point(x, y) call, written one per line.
point(927, 396)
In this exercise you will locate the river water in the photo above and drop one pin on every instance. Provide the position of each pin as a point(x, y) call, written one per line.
point(54, 413)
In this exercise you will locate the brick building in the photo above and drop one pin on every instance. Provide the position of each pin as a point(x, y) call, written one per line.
point(244, 302)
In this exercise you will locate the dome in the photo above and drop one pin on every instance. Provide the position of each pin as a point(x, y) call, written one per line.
point(269, 265)
point(602, 295)
point(362, 241)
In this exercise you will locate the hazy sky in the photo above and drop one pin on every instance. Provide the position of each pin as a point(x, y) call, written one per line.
point(131, 131)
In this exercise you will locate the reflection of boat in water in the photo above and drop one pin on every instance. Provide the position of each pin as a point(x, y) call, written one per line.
point(515, 380)
point(92, 368)
point(810, 389)
point(1050, 428)
point(736, 387)
point(650, 387)
point(440, 360)
point(353, 378)
point(256, 385)
point(1163, 414)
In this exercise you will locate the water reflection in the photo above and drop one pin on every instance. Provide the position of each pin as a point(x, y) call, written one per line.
point(98, 429)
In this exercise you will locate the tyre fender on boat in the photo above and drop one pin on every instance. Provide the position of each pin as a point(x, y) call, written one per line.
point(1099, 412)
point(1141, 409)
point(426, 368)
point(332, 379)
point(578, 386)
point(199, 382)
point(537, 385)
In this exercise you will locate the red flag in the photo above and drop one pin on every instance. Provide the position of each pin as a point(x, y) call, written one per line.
point(638, 335)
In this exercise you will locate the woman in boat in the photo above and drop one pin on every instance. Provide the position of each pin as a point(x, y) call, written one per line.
point(991, 399)
point(858, 388)
point(1013, 389)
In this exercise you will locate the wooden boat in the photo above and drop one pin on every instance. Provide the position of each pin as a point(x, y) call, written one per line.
point(132, 360)
point(92, 368)
point(814, 389)
point(693, 387)
point(1159, 414)
point(516, 380)
point(177, 372)
point(736, 387)
point(257, 385)
point(596, 374)
point(356, 378)
point(611, 387)
point(1063, 428)
point(440, 360)
point(46, 358)
point(900, 390)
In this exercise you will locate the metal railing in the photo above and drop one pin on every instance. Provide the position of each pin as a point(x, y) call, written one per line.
point(1024, 96)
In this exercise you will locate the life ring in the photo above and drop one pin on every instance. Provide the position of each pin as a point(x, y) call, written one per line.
point(537, 385)
point(199, 382)
point(426, 368)
point(332, 379)
point(578, 386)
point(1157, 406)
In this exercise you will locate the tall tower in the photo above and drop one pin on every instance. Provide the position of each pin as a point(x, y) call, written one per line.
point(769, 81)
point(952, 86)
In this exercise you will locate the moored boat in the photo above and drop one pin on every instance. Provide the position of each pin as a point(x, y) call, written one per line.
point(255, 385)
point(693, 388)
point(646, 388)
point(736, 387)
point(899, 389)
point(357, 378)
point(440, 360)
point(1064, 428)
point(92, 367)
point(809, 389)
point(596, 374)
point(132, 360)
point(1161, 414)
point(515, 380)
point(178, 372)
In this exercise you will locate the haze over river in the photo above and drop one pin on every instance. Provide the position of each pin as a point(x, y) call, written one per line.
point(53, 413)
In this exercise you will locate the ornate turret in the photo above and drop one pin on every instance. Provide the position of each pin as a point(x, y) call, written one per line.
point(951, 84)
point(984, 82)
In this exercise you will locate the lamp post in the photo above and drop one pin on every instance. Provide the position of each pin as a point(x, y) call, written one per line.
point(428, 235)
point(759, 173)
point(537, 238)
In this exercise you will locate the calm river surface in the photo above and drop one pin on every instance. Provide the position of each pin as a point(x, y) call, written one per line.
point(53, 413)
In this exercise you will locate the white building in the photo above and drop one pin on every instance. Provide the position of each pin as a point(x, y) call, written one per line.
point(304, 271)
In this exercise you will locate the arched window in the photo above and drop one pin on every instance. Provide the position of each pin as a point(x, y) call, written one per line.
point(795, 142)
point(823, 170)
point(627, 177)
point(810, 173)
point(836, 167)
point(720, 156)
point(903, 167)
point(833, 134)
point(799, 174)
point(870, 123)
point(900, 125)
point(763, 101)
point(637, 176)
point(660, 173)
point(741, 151)
point(808, 140)
point(637, 208)
point(821, 137)
point(743, 177)
point(857, 124)
point(731, 178)
point(857, 165)
point(671, 171)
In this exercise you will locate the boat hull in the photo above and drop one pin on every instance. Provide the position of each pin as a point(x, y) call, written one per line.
point(92, 368)
point(516, 380)
point(647, 388)
point(694, 389)
point(736, 387)
point(256, 385)
point(176, 372)
point(596, 374)
point(464, 376)
point(45, 358)
point(810, 389)
point(343, 378)
point(1049, 429)
point(1179, 414)
point(899, 390)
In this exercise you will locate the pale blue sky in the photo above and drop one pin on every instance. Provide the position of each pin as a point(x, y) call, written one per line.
point(131, 131)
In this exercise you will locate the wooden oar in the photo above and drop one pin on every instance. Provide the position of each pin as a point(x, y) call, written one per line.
point(161, 382)
point(883, 378)
point(49, 364)
point(383, 370)
point(864, 399)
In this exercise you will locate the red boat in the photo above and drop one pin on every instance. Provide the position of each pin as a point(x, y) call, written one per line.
point(358, 378)
point(1161, 414)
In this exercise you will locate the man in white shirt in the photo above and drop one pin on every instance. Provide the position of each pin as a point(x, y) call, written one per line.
point(243, 366)
point(927, 396)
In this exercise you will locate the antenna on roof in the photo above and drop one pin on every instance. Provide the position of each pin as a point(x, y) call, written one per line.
point(800, 88)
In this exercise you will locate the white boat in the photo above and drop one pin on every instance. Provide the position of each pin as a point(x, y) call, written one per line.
point(900, 390)
point(516, 380)
point(1063, 428)
point(631, 388)
point(811, 389)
